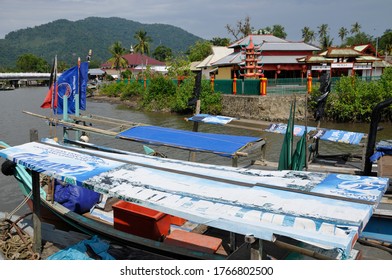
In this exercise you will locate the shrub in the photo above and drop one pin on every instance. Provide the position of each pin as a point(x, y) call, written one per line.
point(160, 93)
point(353, 99)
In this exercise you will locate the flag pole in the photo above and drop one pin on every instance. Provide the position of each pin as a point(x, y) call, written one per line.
point(77, 99)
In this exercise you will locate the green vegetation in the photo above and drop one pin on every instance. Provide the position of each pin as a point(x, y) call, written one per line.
point(164, 94)
point(32, 63)
point(353, 99)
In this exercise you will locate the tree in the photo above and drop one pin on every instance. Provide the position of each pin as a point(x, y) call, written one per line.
point(32, 63)
point(307, 34)
point(326, 42)
point(278, 31)
point(117, 60)
point(162, 53)
point(343, 32)
point(323, 33)
point(359, 38)
point(355, 28)
point(385, 42)
point(243, 28)
point(200, 50)
point(263, 31)
point(217, 41)
point(143, 45)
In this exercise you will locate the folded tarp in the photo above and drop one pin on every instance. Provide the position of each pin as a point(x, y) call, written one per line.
point(221, 144)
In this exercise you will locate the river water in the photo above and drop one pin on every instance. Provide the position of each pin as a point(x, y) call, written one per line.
point(15, 126)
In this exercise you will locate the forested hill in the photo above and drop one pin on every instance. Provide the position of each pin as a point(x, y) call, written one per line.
point(72, 39)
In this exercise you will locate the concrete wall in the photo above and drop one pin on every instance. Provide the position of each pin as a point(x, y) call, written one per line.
point(267, 108)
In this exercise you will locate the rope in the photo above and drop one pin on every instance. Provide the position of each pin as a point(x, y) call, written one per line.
point(15, 244)
point(17, 208)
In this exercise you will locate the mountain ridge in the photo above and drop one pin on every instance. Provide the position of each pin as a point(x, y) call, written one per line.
point(71, 39)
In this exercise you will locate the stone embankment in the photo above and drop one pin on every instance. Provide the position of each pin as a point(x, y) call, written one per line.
point(266, 108)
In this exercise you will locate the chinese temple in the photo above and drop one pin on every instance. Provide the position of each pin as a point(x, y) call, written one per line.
point(272, 56)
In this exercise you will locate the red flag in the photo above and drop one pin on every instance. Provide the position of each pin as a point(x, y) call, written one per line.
point(48, 99)
point(49, 102)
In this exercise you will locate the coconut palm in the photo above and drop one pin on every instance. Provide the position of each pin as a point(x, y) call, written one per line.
point(117, 59)
point(143, 45)
point(326, 42)
point(323, 31)
point(307, 34)
point(355, 28)
point(343, 32)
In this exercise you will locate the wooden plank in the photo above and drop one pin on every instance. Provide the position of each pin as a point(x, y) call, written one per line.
point(385, 166)
point(75, 126)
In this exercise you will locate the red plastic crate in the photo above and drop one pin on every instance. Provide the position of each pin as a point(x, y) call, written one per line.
point(177, 220)
point(194, 241)
point(141, 221)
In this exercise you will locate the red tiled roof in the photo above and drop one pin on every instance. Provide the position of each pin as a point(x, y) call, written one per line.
point(135, 59)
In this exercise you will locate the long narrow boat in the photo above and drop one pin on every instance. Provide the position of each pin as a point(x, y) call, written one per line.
point(264, 210)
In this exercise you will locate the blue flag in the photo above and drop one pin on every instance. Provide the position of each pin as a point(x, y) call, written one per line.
point(72, 81)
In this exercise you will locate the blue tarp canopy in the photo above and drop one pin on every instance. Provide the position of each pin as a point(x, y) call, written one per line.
point(221, 144)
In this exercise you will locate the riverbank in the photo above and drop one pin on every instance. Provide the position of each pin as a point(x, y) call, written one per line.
point(265, 108)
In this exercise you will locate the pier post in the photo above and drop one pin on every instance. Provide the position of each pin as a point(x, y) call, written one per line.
point(37, 239)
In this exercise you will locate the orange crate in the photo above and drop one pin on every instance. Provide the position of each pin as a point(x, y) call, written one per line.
point(140, 220)
point(194, 241)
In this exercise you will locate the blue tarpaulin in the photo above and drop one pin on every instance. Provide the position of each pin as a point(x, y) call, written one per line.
point(79, 250)
point(221, 144)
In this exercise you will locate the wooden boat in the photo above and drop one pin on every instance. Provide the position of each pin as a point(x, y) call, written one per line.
point(245, 213)
point(316, 214)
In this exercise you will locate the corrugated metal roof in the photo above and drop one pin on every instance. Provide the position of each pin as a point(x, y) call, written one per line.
point(233, 58)
point(279, 59)
point(270, 42)
point(218, 53)
point(237, 58)
point(96, 72)
point(288, 46)
point(257, 40)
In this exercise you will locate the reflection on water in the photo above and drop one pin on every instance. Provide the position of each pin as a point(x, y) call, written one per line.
point(15, 126)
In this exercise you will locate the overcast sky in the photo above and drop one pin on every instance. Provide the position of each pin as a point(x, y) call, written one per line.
point(207, 18)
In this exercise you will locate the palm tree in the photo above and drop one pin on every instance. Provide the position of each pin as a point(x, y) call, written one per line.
point(326, 42)
point(117, 59)
point(323, 34)
point(143, 45)
point(307, 34)
point(355, 28)
point(343, 32)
